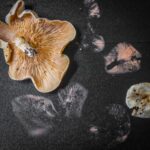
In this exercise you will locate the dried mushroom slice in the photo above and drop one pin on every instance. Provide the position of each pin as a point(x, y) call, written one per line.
point(36, 49)
point(123, 58)
point(138, 99)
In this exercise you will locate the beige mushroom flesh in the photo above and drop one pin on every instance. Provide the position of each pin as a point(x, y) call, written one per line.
point(33, 47)
point(138, 99)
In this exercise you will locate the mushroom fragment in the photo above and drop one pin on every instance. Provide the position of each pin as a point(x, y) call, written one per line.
point(37, 114)
point(72, 99)
point(123, 58)
point(138, 99)
point(33, 47)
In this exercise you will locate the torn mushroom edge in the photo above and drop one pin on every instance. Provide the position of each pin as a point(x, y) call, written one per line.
point(61, 55)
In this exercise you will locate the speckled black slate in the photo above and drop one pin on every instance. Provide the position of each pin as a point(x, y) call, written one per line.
point(124, 20)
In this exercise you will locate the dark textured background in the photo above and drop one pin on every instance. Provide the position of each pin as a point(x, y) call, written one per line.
point(123, 20)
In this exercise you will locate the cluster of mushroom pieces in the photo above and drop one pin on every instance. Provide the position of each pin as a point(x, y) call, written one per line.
point(33, 47)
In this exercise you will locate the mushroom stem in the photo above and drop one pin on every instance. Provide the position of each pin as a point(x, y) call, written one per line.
point(6, 34)
point(24, 46)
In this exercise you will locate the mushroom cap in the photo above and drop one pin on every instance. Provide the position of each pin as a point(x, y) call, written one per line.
point(17, 8)
point(47, 68)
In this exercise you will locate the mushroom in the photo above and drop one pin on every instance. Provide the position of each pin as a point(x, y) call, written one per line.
point(33, 47)
point(138, 99)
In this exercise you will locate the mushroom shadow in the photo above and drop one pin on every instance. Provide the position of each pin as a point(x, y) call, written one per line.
point(26, 81)
point(70, 51)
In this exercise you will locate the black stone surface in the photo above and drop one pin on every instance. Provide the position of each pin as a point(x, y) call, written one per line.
point(120, 21)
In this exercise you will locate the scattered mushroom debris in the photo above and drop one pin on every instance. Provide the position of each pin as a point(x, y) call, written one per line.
point(36, 113)
point(138, 99)
point(110, 127)
point(119, 114)
point(33, 47)
point(99, 43)
point(92, 40)
point(93, 8)
point(72, 99)
point(94, 129)
point(123, 58)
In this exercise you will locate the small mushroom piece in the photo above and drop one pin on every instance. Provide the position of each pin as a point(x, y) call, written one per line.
point(36, 48)
point(123, 58)
point(138, 99)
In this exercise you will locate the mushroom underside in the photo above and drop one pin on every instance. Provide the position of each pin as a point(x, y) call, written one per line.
point(48, 65)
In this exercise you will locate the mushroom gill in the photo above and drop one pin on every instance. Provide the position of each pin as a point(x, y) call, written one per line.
point(35, 50)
